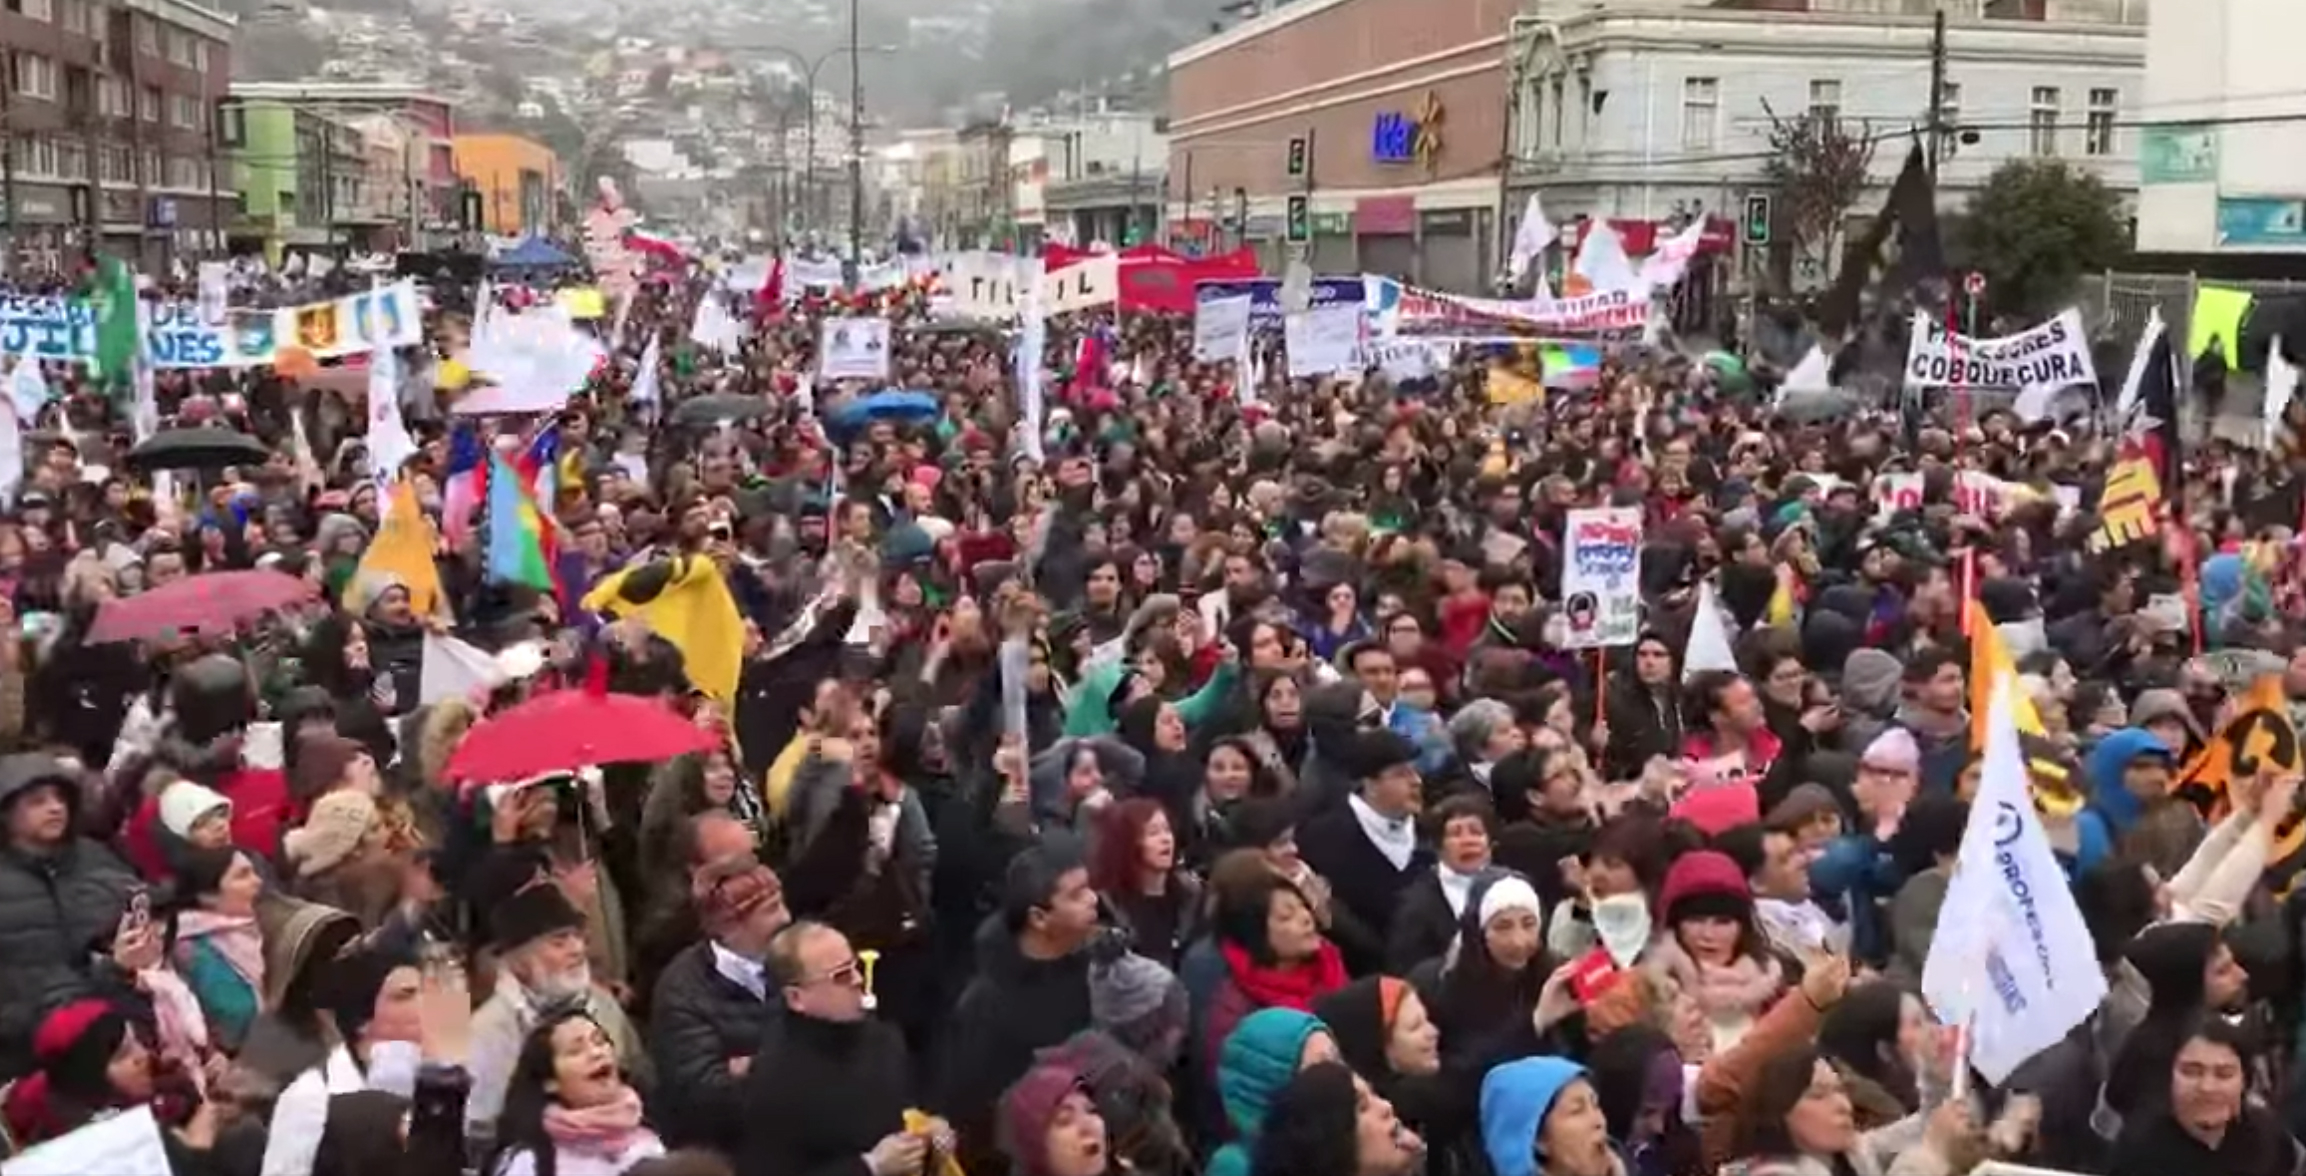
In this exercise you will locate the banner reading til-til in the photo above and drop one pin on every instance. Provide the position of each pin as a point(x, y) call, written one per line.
point(178, 336)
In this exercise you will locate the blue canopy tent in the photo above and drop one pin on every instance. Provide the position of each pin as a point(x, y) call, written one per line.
point(533, 253)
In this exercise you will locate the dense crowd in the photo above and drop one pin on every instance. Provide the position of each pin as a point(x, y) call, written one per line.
point(1213, 792)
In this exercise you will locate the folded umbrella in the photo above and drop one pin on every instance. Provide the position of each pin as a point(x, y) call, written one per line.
point(706, 411)
point(210, 602)
point(570, 729)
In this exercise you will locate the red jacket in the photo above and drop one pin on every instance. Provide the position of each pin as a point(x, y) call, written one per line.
point(261, 813)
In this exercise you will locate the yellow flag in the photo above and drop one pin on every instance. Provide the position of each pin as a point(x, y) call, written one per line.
point(402, 551)
point(1781, 606)
point(584, 302)
point(2130, 504)
point(1507, 386)
point(2217, 317)
point(1989, 659)
point(687, 604)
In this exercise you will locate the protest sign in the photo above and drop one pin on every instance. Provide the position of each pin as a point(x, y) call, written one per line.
point(179, 335)
point(1323, 341)
point(1220, 328)
point(1600, 591)
point(2051, 356)
point(854, 349)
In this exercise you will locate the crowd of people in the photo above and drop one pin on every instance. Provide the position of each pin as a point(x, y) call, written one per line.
point(1210, 793)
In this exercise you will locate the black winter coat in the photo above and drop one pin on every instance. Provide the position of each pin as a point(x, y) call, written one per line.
point(57, 916)
point(821, 1094)
point(698, 1021)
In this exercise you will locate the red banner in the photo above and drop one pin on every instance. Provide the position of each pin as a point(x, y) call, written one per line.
point(1158, 279)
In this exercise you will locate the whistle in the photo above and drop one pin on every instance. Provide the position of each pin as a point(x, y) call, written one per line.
point(865, 960)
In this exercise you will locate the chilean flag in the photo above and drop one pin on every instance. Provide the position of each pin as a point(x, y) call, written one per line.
point(1090, 364)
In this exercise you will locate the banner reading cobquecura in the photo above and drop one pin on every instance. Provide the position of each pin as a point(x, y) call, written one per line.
point(2051, 356)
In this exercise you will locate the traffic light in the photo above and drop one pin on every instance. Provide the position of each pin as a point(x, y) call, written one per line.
point(1300, 219)
point(1757, 222)
point(1297, 158)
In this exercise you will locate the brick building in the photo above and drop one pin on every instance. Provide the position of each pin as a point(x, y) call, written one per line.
point(1404, 104)
point(108, 109)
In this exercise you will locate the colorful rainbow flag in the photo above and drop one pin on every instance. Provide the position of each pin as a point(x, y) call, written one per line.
point(516, 531)
point(1570, 366)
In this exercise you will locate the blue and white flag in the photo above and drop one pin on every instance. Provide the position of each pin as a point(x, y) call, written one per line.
point(2011, 957)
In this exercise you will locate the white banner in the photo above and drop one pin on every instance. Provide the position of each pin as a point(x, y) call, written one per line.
point(2051, 356)
point(1410, 358)
point(854, 349)
point(1084, 285)
point(1601, 577)
point(1220, 327)
point(983, 285)
point(1323, 341)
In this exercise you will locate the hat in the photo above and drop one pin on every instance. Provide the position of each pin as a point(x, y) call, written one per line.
point(1702, 882)
point(185, 803)
point(349, 984)
point(321, 759)
point(532, 914)
point(1515, 1099)
point(73, 1046)
point(1027, 1109)
point(1806, 803)
point(331, 833)
point(1135, 999)
point(1893, 750)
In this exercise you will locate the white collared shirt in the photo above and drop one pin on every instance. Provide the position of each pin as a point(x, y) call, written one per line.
point(751, 975)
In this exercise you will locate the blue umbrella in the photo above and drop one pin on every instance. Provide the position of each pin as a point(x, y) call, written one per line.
point(881, 406)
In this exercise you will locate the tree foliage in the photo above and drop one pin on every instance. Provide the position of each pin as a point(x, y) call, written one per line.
point(1818, 167)
point(2037, 226)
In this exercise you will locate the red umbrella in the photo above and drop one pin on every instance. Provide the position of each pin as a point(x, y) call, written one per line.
point(570, 729)
point(212, 601)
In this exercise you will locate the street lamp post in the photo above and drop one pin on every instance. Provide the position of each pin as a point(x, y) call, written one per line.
point(809, 67)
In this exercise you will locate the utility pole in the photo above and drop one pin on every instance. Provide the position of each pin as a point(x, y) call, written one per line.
point(1937, 116)
point(856, 144)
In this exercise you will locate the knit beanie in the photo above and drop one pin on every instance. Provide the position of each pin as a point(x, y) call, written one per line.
point(1136, 1000)
point(349, 984)
point(185, 802)
point(1028, 1108)
point(321, 758)
point(1893, 750)
point(331, 834)
point(73, 1048)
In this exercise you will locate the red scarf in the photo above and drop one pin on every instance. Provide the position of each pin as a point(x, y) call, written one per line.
point(1286, 986)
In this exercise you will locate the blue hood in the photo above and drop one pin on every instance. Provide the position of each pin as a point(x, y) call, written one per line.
point(2107, 762)
point(1514, 1100)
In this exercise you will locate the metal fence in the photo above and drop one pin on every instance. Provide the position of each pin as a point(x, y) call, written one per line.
point(2116, 304)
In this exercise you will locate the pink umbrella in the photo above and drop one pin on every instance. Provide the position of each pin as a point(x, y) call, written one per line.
point(211, 602)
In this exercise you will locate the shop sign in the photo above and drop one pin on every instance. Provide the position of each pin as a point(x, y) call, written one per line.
point(1409, 136)
point(1456, 222)
point(1333, 224)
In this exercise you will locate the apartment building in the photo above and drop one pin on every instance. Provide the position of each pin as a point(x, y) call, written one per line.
point(108, 109)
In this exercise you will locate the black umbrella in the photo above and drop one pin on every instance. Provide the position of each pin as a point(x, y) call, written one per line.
point(707, 411)
point(197, 449)
point(1815, 406)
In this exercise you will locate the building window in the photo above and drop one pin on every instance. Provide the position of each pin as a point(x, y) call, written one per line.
point(1826, 98)
point(2042, 122)
point(72, 160)
point(148, 104)
point(75, 17)
point(231, 125)
point(148, 172)
point(179, 46)
point(116, 165)
point(2105, 107)
point(112, 98)
point(1950, 116)
point(1584, 110)
point(1700, 112)
point(147, 37)
point(184, 111)
point(187, 173)
point(35, 76)
point(1560, 108)
point(35, 9)
point(34, 157)
point(200, 51)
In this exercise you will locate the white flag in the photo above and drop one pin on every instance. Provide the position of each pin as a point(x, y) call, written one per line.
point(1601, 260)
point(1709, 643)
point(455, 669)
point(2281, 386)
point(645, 389)
point(2011, 957)
point(11, 454)
point(2127, 401)
point(389, 445)
point(27, 388)
point(1665, 266)
point(1531, 238)
point(1032, 338)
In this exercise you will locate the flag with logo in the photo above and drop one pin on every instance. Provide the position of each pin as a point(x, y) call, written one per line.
point(2011, 958)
